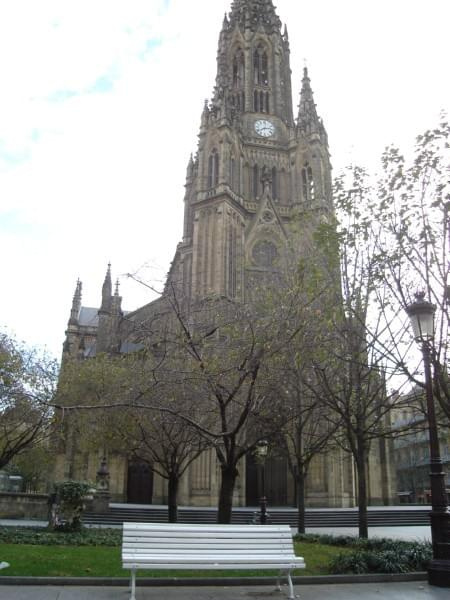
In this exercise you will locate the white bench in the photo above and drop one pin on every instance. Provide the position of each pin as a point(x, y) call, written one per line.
point(190, 547)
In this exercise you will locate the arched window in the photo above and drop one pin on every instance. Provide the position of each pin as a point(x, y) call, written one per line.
point(255, 182)
point(213, 169)
point(274, 184)
point(267, 102)
point(261, 66)
point(256, 101)
point(232, 174)
point(238, 69)
point(232, 252)
point(308, 183)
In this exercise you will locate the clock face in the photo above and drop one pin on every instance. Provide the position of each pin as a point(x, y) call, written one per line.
point(264, 128)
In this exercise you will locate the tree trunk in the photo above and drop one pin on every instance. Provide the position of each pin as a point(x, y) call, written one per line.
point(229, 474)
point(172, 498)
point(362, 494)
point(301, 501)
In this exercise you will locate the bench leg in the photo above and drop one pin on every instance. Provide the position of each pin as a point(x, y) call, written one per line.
point(291, 587)
point(133, 585)
point(278, 586)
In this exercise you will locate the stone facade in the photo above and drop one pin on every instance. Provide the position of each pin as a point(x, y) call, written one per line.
point(261, 178)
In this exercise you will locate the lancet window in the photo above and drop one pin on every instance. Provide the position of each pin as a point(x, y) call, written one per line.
point(261, 66)
point(238, 70)
point(234, 175)
point(261, 101)
point(213, 169)
point(308, 183)
point(238, 101)
point(232, 262)
point(275, 185)
point(255, 182)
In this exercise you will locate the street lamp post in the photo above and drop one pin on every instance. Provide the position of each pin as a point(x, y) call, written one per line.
point(261, 452)
point(421, 314)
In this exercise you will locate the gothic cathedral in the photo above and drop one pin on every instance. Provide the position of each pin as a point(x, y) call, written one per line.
point(258, 174)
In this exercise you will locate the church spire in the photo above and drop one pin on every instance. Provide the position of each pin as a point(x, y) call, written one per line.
point(76, 304)
point(308, 120)
point(107, 291)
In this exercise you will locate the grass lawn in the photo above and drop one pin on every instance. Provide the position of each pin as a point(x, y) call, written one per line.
point(89, 561)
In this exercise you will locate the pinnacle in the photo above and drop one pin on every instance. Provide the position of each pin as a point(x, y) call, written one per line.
point(308, 120)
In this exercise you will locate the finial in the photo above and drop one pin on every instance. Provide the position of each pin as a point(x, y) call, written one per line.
point(116, 292)
point(305, 69)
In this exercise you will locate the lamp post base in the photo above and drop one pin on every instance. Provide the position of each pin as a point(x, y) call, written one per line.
point(439, 567)
point(439, 573)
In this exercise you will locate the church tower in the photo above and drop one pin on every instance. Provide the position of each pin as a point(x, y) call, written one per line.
point(258, 184)
point(258, 170)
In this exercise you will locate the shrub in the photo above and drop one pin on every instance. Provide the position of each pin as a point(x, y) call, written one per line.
point(376, 555)
point(403, 558)
point(70, 496)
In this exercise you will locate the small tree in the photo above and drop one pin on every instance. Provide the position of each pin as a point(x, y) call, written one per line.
point(167, 444)
point(27, 385)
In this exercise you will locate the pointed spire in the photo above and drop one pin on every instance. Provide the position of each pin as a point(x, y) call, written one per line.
point(76, 304)
point(107, 290)
point(308, 120)
point(116, 302)
point(190, 169)
point(205, 116)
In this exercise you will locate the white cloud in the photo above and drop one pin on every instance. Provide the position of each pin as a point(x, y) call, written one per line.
point(100, 108)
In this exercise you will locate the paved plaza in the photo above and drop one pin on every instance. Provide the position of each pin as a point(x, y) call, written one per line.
point(362, 591)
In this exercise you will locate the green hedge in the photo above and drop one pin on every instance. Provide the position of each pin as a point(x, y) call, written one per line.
point(376, 555)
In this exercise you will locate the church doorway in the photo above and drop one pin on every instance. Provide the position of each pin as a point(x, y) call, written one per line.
point(140, 483)
point(276, 485)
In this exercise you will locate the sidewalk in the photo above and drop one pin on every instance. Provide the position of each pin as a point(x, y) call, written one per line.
point(366, 591)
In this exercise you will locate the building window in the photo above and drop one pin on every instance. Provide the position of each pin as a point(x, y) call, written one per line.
point(308, 184)
point(213, 169)
point(232, 270)
point(274, 184)
point(238, 69)
point(255, 182)
point(261, 66)
point(232, 173)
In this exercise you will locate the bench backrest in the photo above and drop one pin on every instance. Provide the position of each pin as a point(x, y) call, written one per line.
point(255, 540)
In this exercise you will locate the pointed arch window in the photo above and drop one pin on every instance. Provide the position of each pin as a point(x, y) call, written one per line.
point(261, 66)
point(213, 169)
point(255, 182)
point(308, 184)
point(238, 101)
point(232, 174)
point(275, 195)
point(239, 69)
point(232, 262)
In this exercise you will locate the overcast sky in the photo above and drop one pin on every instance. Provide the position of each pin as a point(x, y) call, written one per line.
point(100, 109)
